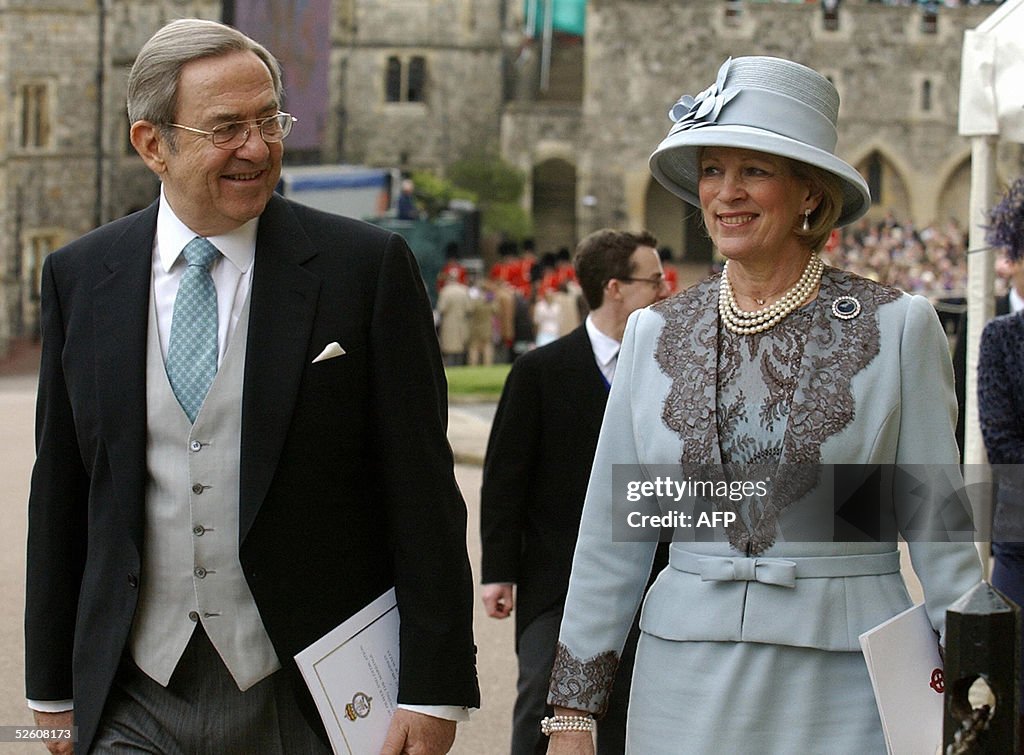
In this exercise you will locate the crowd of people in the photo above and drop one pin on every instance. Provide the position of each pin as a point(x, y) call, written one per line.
point(523, 301)
point(931, 261)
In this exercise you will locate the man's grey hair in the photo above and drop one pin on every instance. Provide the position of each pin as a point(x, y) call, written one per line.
point(153, 81)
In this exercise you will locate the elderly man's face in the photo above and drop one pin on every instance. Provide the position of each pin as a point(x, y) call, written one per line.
point(216, 190)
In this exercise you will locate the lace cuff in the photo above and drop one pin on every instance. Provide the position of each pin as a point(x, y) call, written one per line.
point(582, 685)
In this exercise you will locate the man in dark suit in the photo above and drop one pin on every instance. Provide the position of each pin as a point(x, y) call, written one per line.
point(240, 443)
point(537, 466)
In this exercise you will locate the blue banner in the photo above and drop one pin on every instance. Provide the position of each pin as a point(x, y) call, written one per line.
point(567, 16)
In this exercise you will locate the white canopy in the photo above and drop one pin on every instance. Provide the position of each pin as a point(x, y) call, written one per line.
point(991, 108)
point(991, 72)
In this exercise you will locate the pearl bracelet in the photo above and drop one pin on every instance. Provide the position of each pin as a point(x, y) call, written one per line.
point(552, 724)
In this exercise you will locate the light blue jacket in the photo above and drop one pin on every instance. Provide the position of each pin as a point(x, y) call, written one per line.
point(873, 389)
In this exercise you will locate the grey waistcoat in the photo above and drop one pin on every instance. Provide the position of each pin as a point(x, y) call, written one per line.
point(190, 567)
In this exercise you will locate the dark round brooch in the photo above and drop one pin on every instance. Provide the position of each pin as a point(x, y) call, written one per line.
point(846, 308)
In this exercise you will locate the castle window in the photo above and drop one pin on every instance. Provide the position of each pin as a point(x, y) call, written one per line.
point(417, 79)
point(930, 17)
point(926, 96)
point(830, 14)
point(393, 80)
point(405, 80)
point(37, 245)
point(874, 177)
point(733, 12)
point(36, 118)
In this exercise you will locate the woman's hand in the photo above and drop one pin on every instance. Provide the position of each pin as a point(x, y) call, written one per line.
point(571, 742)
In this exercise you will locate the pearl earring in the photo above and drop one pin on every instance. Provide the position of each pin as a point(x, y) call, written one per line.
point(807, 220)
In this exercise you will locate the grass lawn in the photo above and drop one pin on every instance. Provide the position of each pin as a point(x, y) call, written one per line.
point(476, 383)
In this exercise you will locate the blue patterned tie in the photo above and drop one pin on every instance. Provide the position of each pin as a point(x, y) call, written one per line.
point(192, 352)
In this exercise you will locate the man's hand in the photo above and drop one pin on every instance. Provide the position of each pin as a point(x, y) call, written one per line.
point(413, 733)
point(62, 720)
point(499, 599)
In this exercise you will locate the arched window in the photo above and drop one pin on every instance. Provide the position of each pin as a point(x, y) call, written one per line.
point(406, 80)
point(874, 177)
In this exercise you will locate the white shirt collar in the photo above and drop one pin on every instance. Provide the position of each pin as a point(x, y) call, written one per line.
point(605, 348)
point(238, 246)
point(1016, 302)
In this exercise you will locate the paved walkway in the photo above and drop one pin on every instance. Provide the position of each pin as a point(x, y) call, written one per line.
point(17, 403)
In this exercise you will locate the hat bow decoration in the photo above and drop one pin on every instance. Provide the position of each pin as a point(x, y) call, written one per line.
point(702, 110)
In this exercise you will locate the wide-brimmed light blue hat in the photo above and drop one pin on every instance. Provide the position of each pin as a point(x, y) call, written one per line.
point(765, 104)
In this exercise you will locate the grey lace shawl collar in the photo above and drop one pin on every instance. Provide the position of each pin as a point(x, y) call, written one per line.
point(822, 404)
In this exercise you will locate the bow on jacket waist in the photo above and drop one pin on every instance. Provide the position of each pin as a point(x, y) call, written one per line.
point(783, 572)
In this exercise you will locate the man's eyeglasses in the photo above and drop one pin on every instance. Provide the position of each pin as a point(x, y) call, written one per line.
point(657, 280)
point(233, 135)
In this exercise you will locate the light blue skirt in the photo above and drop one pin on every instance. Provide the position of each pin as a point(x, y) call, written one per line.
point(690, 698)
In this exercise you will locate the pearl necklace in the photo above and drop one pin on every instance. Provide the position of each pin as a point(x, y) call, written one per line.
point(742, 322)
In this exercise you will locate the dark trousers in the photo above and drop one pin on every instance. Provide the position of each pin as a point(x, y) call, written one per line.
point(202, 712)
point(536, 656)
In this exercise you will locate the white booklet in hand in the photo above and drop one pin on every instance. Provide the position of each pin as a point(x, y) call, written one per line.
point(902, 656)
point(352, 674)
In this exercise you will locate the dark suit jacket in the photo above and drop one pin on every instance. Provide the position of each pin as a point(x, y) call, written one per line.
point(536, 471)
point(347, 483)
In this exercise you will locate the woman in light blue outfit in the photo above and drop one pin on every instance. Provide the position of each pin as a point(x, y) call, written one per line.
point(770, 372)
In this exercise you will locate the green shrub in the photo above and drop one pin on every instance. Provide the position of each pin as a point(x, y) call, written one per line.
point(484, 383)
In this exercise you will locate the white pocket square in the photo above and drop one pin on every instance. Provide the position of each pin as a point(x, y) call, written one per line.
point(331, 350)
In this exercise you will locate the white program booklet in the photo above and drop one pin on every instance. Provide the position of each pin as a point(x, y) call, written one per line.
point(902, 655)
point(352, 673)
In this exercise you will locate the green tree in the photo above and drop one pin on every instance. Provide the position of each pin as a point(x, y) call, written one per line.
point(433, 193)
point(493, 185)
point(490, 178)
point(498, 187)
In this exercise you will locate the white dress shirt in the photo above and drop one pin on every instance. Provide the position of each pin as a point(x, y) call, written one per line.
point(231, 273)
point(1016, 301)
point(606, 349)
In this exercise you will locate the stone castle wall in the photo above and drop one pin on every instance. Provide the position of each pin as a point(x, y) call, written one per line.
point(83, 172)
point(899, 88)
